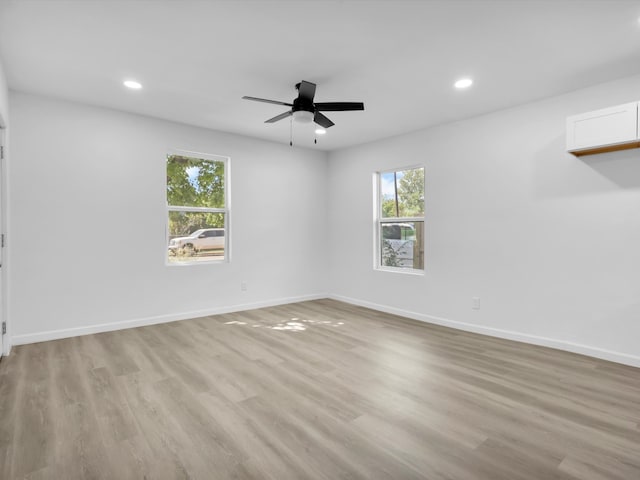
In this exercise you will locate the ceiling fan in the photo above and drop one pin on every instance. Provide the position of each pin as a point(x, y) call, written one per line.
point(304, 110)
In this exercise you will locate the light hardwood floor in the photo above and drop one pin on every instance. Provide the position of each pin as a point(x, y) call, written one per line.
point(315, 390)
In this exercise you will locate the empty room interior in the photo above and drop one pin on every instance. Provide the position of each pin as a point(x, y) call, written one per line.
point(320, 239)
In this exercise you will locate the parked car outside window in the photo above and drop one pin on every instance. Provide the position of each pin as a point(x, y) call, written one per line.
point(200, 240)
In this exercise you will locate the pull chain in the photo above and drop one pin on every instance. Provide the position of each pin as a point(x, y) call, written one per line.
point(291, 132)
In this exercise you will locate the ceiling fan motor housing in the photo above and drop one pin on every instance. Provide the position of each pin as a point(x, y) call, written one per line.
point(301, 104)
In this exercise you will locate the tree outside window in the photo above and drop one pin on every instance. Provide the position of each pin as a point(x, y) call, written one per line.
point(400, 229)
point(197, 208)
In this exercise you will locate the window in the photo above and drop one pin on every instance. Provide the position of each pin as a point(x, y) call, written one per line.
point(197, 208)
point(400, 220)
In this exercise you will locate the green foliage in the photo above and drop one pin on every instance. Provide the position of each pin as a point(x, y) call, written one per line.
point(411, 193)
point(390, 255)
point(194, 182)
point(388, 208)
point(409, 186)
point(182, 224)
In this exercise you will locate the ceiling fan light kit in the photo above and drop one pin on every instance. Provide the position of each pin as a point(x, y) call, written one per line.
point(303, 116)
point(303, 108)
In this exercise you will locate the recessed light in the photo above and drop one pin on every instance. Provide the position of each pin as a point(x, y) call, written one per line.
point(132, 84)
point(320, 131)
point(463, 83)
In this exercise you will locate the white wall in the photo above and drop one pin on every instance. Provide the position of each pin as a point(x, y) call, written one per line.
point(5, 345)
point(4, 98)
point(550, 242)
point(88, 222)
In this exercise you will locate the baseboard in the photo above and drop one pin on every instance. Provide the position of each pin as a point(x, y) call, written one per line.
point(141, 322)
point(590, 351)
point(596, 352)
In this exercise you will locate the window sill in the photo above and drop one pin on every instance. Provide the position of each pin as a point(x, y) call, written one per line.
point(404, 271)
point(202, 262)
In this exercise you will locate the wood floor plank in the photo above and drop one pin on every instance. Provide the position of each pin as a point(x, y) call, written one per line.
point(313, 390)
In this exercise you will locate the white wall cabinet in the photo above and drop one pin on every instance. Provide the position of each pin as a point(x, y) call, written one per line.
point(605, 130)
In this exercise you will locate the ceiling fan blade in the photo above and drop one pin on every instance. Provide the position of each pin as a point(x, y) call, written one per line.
point(306, 91)
point(321, 120)
point(255, 99)
point(279, 117)
point(338, 106)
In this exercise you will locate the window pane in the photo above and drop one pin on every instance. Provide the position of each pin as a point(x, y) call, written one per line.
point(402, 245)
point(195, 182)
point(402, 193)
point(196, 236)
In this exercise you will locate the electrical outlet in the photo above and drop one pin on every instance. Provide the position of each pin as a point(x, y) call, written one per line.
point(475, 303)
point(243, 286)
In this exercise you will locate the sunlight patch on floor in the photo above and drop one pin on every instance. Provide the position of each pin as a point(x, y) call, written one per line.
point(293, 325)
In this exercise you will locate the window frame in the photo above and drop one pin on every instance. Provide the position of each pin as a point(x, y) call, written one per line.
point(379, 220)
point(226, 211)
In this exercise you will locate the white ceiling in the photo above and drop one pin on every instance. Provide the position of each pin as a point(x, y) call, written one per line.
point(196, 59)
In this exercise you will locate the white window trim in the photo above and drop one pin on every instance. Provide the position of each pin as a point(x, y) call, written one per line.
point(378, 220)
point(226, 211)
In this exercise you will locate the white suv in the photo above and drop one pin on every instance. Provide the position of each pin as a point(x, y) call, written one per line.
point(203, 239)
